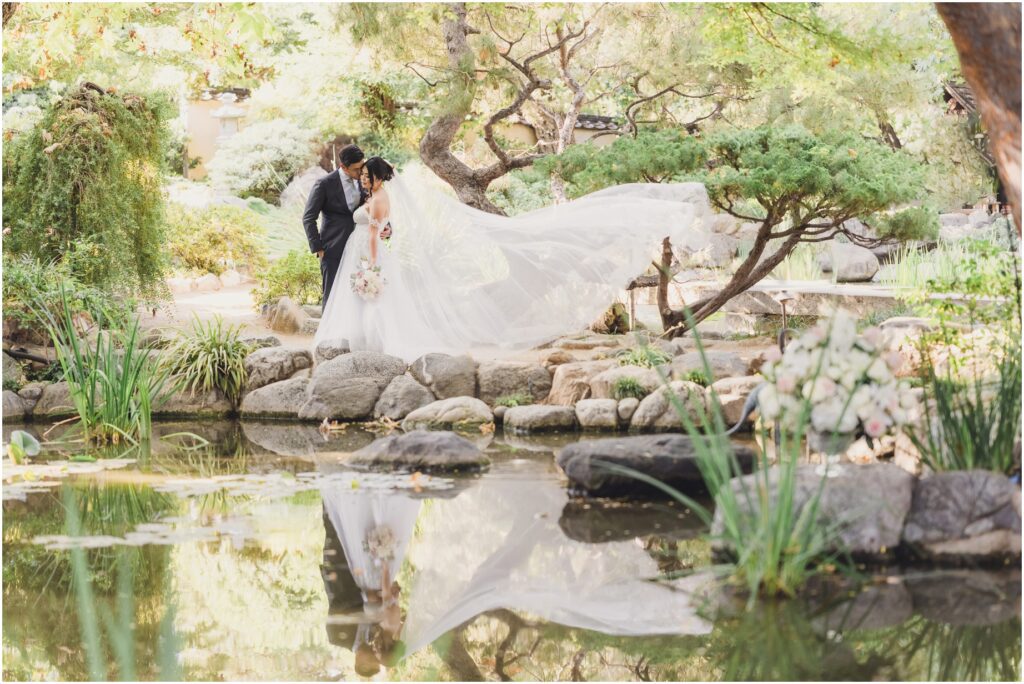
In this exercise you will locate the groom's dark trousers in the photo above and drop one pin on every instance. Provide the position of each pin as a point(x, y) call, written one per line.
point(327, 202)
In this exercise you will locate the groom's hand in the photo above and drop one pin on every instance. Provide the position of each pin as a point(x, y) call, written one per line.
point(320, 254)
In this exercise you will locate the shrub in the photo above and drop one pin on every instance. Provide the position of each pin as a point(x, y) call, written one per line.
point(84, 186)
point(211, 356)
point(628, 387)
point(517, 399)
point(262, 158)
point(214, 239)
point(698, 377)
point(644, 356)
point(296, 276)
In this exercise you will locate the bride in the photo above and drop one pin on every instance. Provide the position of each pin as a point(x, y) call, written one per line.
point(457, 279)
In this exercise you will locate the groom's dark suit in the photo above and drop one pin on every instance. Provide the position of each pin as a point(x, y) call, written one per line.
point(327, 199)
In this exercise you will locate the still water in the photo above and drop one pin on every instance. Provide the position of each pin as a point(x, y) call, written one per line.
point(260, 556)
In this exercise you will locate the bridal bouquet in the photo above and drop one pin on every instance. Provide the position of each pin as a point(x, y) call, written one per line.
point(380, 544)
point(368, 282)
point(847, 380)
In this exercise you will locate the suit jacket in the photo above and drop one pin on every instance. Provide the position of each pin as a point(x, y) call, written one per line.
point(327, 201)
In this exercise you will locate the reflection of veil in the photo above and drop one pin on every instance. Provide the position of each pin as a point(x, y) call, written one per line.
point(472, 279)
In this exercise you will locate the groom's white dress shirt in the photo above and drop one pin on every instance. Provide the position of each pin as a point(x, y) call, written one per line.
point(351, 191)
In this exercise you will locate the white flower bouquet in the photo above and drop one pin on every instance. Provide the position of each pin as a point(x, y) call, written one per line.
point(847, 381)
point(368, 282)
point(380, 544)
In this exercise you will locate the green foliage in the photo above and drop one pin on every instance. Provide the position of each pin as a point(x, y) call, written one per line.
point(297, 276)
point(644, 356)
point(698, 377)
point(214, 239)
point(517, 399)
point(521, 191)
point(628, 387)
point(801, 264)
point(12, 384)
point(211, 356)
point(22, 445)
point(261, 159)
point(29, 285)
point(84, 186)
point(114, 384)
point(912, 223)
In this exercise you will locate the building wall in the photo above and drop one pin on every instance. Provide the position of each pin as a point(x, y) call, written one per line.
point(203, 130)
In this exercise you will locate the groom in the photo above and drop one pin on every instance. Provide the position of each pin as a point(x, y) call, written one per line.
point(335, 197)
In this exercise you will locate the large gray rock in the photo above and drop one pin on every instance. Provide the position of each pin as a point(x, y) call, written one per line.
point(965, 515)
point(598, 414)
point(286, 316)
point(850, 263)
point(455, 413)
point(446, 376)
point(865, 505)
point(30, 394)
point(273, 364)
point(12, 370)
point(722, 365)
point(657, 411)
point(718, 253)
point(277, 400)
point(14, 407)
point(262, 341)
point(670, 459)
point(571, 381)
point(210, 404)
point(423, 451)
point(348, 386)
point(55, 402)
point(602, 385)
point(732, 395)
point(504, 378)
point(401, 397)
point(627, 407)
point(329, 349)
point(537, 418)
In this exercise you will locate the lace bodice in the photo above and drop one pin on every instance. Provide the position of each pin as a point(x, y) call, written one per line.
point(361, 237)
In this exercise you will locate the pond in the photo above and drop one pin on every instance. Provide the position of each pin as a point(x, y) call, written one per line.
point(260, 557)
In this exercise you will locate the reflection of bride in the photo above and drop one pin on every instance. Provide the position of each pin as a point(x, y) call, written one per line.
point(469, 279)
point(374, 528)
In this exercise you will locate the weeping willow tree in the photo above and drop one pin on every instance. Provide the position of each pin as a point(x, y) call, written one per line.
point(83, 189)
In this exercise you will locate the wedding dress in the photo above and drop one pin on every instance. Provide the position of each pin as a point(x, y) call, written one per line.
point(460, 279)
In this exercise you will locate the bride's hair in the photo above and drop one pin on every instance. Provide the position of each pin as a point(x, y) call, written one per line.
point(378, 169)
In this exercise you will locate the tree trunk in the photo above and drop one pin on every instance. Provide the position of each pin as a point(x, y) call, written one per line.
point(9, 10)
point(987, 38)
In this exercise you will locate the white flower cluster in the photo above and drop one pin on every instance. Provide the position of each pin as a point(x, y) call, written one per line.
point(380, 544)
point(845, 379)
point(367, 282)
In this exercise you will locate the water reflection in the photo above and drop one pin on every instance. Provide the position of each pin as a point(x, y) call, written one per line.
point(284, 565)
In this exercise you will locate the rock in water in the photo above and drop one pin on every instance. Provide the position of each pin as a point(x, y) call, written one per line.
point(278, 400)
point(456, 413)
point(504, 378)
point(423, 451)
point(571, 381)
point(446, 376)
point(14, 407)
point(658, 412)
point(401, 397)
point(537, 418)
point(273, 364)
point(348, 386)
point(598, 414)
point(668, 458)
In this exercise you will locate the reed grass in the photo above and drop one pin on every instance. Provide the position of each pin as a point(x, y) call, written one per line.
point(210, 356)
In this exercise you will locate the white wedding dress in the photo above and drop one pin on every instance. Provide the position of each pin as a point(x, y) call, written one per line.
point(460, 279)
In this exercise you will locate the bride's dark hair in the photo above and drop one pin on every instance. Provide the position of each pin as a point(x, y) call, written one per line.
point(378, 169)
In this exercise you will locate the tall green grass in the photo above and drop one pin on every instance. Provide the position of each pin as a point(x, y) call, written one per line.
point(114, 383)
point(210, 356)
point(800, 264)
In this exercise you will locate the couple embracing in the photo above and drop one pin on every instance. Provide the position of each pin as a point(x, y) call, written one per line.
point(453, 278)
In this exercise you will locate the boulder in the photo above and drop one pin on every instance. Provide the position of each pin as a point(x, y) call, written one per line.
point(262, 341)
point(273, 364)
point(499, 414)
point(726, 325)
point(14, 408)
point(297, 191)
point(454, 413)
point(598, 414)
point(286, 316)
point(719, 252)
point(347, 387)
point(309, 327)
point(206, 283)
point(866, 504)
point(31, 394)
point(613, 321)
point(732, 395)
point(626, 408)
point(670, 459)
point(588, 342)
point(979, 218)
point(850, 263)
point(230, 278)
point(965, 515)
point(12, 370)
point(724, 224)
point(657, 412)
point(571, 381)
point(722, 365)
point(402, 396)
point(329, 349)
point(538, 418)
point(278, 400)
point(503, 378)
point(313, 310)
point(421, 451)
point(210, 404)
point(556, 357)
point(55, 402)
point(446, 376)
point(602, 385)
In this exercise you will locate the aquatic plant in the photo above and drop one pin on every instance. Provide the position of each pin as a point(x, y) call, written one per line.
point(516, 399)
point(210, 356)
point(625, 388)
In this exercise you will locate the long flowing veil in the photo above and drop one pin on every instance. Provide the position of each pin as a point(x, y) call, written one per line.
point(474, 280)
